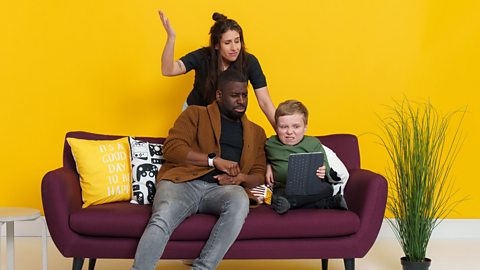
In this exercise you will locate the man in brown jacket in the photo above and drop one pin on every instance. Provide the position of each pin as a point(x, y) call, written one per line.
point(212, 153)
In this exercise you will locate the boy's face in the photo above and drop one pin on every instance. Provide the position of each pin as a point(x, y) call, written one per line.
point(291, 128)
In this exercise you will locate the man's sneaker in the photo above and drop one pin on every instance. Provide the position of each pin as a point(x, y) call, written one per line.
point(280, 204)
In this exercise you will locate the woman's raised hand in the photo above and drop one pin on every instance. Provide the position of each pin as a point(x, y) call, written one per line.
point(166, 24)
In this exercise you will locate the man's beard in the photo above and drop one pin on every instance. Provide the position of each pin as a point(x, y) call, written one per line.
point(232, 114)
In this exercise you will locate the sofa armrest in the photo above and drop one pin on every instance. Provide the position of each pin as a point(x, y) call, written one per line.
point(366, 195)
point(61, 195)
point(363, 190)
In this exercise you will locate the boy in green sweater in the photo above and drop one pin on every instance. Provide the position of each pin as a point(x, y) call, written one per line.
point(291, 119)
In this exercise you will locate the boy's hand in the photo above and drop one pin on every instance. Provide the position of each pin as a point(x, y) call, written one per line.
point(321, 172)
point(269, 176)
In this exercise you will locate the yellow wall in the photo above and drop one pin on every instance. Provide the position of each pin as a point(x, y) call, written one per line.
point(95, 66)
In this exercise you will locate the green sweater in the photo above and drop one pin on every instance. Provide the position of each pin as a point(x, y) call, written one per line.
point(277, 154)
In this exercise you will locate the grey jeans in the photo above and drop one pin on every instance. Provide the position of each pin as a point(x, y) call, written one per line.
point(176, 201)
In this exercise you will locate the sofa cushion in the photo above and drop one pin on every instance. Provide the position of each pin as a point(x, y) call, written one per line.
point(104, 169)
point(263, 222)
point(146, 162)
point(128, 220)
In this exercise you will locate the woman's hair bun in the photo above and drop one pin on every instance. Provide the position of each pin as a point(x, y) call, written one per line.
point(218, 17)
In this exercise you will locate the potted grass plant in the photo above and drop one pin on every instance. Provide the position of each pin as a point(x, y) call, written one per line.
point(422, 146)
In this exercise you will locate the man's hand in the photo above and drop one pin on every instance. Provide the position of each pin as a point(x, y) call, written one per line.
point(225, 179)
point(227, 166)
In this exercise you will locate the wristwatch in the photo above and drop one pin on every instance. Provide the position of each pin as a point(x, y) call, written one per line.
point(211, 157)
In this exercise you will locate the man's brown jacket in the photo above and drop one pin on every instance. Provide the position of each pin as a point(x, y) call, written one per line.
point(198, 129)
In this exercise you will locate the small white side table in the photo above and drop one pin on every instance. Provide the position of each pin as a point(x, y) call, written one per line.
point(11, 214)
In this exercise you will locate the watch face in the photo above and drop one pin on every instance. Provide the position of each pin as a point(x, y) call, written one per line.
point(212, 155)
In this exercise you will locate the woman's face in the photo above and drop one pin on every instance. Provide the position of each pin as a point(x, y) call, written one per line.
point(291, 128)
point(229, 46)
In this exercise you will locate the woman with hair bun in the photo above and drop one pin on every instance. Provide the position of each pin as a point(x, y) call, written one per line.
point(226, 50)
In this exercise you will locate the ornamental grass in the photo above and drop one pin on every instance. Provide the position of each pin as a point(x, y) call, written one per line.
point(422, 147)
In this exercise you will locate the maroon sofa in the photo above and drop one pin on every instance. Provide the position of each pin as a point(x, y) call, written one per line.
point(113, 230)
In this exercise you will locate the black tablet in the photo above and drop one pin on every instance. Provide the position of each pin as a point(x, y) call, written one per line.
point(301, 175)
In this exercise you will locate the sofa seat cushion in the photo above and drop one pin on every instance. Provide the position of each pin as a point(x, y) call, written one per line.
point(119, 219)
point(263, 222)
point(123, 219)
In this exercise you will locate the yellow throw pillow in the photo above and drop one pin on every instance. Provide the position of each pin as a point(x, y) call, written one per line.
point(104, 169)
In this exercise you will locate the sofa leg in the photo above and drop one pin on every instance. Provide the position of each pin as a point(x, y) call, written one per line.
point(77, 263)
point(324, 264)
point(91, 263)
point(349, 264)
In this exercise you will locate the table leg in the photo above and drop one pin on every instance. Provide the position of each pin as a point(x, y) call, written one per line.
point(44, 244)
point(1, 226)
point(10, 245)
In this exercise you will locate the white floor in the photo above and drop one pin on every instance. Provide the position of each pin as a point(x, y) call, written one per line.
point(384, 255)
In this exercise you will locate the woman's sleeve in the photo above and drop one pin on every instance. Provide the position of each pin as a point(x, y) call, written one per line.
point(255, 73)
point(193, 59)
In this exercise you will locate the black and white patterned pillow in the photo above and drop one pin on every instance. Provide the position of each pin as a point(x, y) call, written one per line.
point(146, 160)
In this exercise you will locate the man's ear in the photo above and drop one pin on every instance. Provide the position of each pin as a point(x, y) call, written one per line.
point(218, 95)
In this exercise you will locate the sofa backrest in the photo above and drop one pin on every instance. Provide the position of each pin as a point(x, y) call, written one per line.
point(345, 145)
point(346, 148)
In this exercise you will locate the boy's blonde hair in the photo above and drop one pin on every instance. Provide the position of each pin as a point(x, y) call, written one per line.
point(291, 107)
